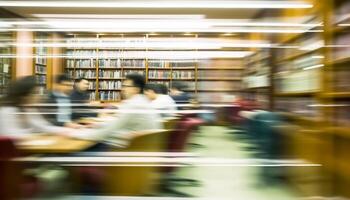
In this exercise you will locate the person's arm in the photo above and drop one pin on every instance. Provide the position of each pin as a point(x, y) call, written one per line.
point(41, 125)
point(11, 125)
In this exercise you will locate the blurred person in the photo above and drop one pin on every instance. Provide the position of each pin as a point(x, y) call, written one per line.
point(136, 114)
point(80, 95)
point(61, 105)
point(178, 94)
point(159, 101)
point(15, 117)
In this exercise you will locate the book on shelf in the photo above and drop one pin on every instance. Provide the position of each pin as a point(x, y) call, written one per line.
point(301, 106)
point(126, 72)
point(341, 81)
point(136, 63)
point(220, 74)
point(109, 95)
point(157, 64)
point(183, 74)
point(109, 63)
point(40, 79)
point(110, 85)
point(85, 63)
point(92, 96)
point(40, 69)
point(342, 113)
point(109, 74)
point(85, 73)
point(92, 85)
point(159, 74)
point(219, 85)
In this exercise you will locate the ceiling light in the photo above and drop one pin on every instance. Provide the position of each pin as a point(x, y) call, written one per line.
point(313, 67)
point(247, 4)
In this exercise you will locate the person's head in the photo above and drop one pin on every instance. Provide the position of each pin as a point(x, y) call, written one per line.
point(152, 91)
point(22, 91)
point(176, 88)
point(64, 84)
point(164, 89)
point(81, 84)
point(133, 85)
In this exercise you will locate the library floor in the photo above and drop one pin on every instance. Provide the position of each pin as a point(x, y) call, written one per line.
point(229, 183)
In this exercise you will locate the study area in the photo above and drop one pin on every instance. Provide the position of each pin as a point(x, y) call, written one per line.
point(174, 100)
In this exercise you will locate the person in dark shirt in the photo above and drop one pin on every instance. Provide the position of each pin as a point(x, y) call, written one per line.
point(79, 97)
point(177, 93)
point(60, 103)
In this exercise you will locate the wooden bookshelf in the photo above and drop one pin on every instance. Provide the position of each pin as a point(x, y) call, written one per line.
point(41, 62)
point(6, 64)
point(101, 67)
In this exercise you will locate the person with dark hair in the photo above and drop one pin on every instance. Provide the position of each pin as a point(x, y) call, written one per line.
point(17, 117)
point(81, 97)
point(135, 113)
point(60, 101)
point(178, 94)
point(159, 101)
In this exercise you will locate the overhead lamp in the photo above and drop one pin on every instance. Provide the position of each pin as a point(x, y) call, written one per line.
point(313, 67)
point(228, 4)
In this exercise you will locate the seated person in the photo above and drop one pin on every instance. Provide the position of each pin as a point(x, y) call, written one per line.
point(177, 93)
point(81, 96)
point(135, 114)
point(17, 119)
point(61, 108)
point(159, 101)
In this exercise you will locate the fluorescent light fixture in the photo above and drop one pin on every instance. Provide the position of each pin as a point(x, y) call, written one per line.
point(228, 4)
point(95, 16)
point(176, 55)
point(344, 25)
point(313, 46)
point(317, 57)
point(313, 67)
point(160, 30)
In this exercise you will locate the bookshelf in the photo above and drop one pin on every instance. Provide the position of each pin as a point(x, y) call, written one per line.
point(256, 80)
point(105, 68)
point(6, 67)
point(41, 62)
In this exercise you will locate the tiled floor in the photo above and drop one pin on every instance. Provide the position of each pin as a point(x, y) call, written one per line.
point(217, 183)
point(237, 182)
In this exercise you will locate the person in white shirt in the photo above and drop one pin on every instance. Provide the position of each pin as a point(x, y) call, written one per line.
point(17, 119)
point(160, 101)
point(134, 114)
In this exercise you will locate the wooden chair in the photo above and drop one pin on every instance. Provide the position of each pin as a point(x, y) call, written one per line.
point(137, 180)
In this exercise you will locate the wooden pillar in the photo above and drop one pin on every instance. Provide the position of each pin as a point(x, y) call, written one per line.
point(24, 54)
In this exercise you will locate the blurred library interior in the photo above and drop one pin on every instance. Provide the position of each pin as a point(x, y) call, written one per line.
point(159, 99)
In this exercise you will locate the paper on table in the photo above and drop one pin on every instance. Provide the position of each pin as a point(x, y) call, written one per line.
point(37, 142)
point(6, 68)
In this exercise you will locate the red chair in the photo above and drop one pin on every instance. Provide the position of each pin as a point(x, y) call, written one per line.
point(177, 142)
point(13, 185)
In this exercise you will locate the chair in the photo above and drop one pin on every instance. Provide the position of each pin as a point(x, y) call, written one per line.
point(12, 184)
point(177, 141)
point(137, 180)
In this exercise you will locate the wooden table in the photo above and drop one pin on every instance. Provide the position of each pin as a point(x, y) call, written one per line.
point(52, 144)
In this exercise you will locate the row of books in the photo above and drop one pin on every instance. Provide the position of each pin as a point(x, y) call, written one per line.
point(109, 74)
point(92, 85)
point(40, 79)
point(342, 113)
point(110, 85)
point(220, 74)
point(219, 85)
point(85, 73)
point(109, 95)
point(92, 96)
point(302, 106)
point(40, 69)
point(40, 55)
point(344, 49)
point(256, 81)
point(298, 81)
point(341, 81)
point(174, 74)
